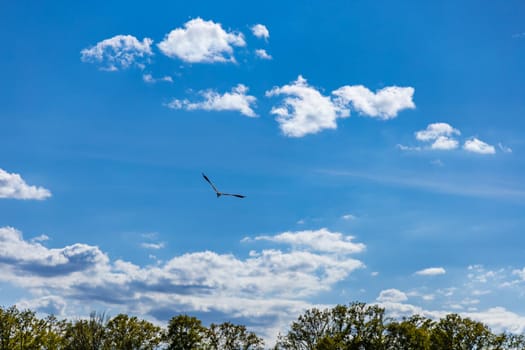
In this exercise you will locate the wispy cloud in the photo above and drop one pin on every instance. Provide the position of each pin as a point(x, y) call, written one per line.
point(148, 78)
point(459, 186)
point(504, 149)
point(431, 271)
point(119, 52)
point(150, 245)
point(236, 100)
point(201, 41)
point(13, 186)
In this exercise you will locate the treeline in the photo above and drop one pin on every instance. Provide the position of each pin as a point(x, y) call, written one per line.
point(356, 326)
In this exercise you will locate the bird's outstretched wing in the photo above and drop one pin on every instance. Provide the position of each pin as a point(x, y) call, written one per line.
point(234, 195)
point(211, 183)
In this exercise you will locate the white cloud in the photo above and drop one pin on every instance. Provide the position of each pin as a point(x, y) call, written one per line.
point(408, 148)
point(41, 238)
point(152, 245)
point(444, 143)
point(13, 186)
point(321, 240)
point(348, 217)
point(478, 146)
point(261, 53)
point(260, 31)
point(267, 288)
point(384, 104)
point(50, 304)
point(119, 52)
point(201, 41)
point(148, 78)
point(305, 110)
point(431, 271)
point(436, 130)
point(441, 134)
point(236, 100)
point(504, 149)
point(391, 295)
point(498, 319)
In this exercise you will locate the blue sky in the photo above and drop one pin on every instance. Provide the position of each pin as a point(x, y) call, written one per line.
point(378, 143)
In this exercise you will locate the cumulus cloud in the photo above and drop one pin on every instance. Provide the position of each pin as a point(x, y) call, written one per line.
point(261, 53)
point(305, 110)
point(13, 186)
point(477, 146)
point(499, 319)
point(435, 130)
point(267, 287)
point(53, 305)
point(23, 258)
point(260, 31)
point(444, 143)
point(201, 41)
point(119, 52)
point(391, 295)
point(236, 100)
point(442, 137)
point(321, 240)
point(441, 134)
point(431, 271)
point(384, 104)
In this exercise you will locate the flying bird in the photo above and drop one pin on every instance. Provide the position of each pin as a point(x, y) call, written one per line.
point(219, 193)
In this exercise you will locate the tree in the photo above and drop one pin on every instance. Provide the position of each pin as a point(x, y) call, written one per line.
point(411, 333)
point(86, 334)
point(8, 327)
point(130, 333)
point(227, 336)
point(356, 326)
point(185, 333)
point(309, 329)
point(456, 333)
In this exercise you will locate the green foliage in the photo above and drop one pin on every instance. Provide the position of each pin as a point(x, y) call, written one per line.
point(227, 336)
point(86, 334)
point(356, 326)
point(185, 333)
point(130, 333)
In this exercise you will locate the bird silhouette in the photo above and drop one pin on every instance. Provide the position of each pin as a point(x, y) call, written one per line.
point(219, 193)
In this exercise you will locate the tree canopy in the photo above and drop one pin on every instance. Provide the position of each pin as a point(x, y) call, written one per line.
point(356, 326)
